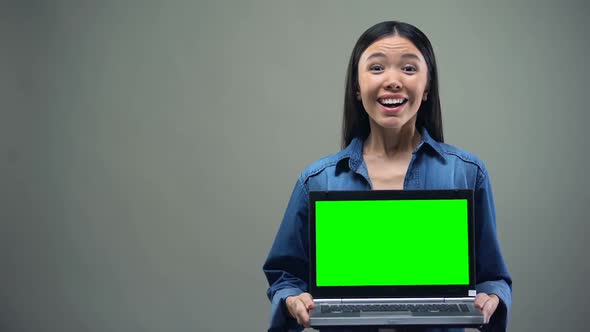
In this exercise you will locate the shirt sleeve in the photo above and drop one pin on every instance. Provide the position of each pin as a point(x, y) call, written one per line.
point(287, 265)
point(491, 271)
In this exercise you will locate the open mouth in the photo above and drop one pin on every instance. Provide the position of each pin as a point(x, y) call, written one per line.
point(392, 102)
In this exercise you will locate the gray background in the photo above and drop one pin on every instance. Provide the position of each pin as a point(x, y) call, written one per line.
point(148, 149)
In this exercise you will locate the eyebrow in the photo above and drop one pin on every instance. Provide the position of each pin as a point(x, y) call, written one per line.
point(382, 55)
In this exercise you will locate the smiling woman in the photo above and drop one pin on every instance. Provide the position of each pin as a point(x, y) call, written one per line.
point(392, 139)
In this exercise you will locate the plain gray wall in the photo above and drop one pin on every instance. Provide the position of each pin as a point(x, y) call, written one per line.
point(148, 149)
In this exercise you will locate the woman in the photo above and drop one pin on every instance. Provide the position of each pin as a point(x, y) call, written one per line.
point(392, 139)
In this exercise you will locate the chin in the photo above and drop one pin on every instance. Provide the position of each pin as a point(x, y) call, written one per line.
point(391, 124)
point(397, 122)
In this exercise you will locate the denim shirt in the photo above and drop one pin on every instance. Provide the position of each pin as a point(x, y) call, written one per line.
point(434, 165)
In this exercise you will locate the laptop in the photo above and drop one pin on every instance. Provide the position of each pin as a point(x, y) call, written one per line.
point(392, 257)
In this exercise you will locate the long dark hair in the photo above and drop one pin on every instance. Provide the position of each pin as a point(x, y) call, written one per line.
point(355, 120)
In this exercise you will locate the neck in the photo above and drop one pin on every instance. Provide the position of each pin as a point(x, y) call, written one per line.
point(391, 142)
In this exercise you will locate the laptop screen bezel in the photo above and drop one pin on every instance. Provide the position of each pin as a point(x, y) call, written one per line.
point(391, 291)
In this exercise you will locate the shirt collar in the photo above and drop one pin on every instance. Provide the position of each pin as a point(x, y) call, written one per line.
point(354, 151)
point(435, 145)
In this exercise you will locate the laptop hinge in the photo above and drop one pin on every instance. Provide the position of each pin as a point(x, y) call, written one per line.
point(393, 300)
point(334, 301)
point(403, 300)
point(459, 299)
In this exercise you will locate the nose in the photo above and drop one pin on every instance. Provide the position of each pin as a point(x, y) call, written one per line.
point(393, 83)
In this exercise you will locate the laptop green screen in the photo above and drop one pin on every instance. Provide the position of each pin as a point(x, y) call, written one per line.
point(392, 242)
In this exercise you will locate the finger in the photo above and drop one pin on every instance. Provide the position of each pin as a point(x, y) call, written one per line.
point(480, 300)
point(305, 319)
point(486, 316)
point(293, 304)
point(300, 312)
point(307, 300)
point(487, 311)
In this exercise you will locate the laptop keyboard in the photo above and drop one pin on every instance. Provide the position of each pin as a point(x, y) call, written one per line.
point(417, 307)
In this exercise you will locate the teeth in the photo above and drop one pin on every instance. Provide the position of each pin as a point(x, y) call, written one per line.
point(392, 100)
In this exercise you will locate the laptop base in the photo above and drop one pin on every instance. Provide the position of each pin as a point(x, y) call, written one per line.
point(470, 318)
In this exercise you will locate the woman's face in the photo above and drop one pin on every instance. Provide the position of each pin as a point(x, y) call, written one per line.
point(393, 79)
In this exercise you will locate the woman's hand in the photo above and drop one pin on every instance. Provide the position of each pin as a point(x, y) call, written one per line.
point(299, 307)
point(487, 304)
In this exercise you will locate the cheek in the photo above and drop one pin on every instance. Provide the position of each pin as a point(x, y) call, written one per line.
point(362, 83)
point(367, 84)
point(418, 87)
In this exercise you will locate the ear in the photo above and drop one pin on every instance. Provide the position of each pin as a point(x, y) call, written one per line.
point(358, 95)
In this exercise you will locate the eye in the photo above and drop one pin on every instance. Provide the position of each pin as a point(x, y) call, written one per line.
point(376, 68)
point(409, 69)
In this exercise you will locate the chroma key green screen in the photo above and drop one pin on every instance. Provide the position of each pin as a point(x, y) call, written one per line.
point(392, 242)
